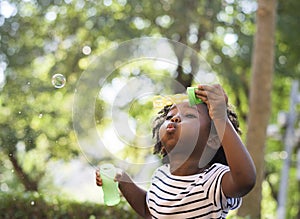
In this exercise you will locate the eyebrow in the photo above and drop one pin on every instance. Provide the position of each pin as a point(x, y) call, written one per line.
point(185, 106)
point(172, 107)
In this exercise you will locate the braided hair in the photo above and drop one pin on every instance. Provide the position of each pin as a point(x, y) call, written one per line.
point(159, 120)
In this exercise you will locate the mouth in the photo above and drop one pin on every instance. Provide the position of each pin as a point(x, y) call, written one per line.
point(171, 127)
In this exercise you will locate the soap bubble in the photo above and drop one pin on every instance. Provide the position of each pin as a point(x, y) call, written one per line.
point(58, 80)
point(122, 97)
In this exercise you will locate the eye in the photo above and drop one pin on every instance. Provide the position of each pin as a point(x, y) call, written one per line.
point(169, 117)
point(189, 115)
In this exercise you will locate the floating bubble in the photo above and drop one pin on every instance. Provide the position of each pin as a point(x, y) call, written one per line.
point(86, 50)
point(58, 80)
point(4, 187)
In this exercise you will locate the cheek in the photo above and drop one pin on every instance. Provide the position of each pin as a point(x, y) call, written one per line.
point(204, 130)
point(196, 133)
point(191, 133)
point(161, 132)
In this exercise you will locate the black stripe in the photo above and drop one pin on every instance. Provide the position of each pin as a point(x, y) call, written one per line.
point(152, 216)
point(179, 180)
point(209, 188)
point(234, 203)
point(210, 169)
point(195, 193)
point(165, 199)
point(203, 183)
point(203, 215)
point(218, 182)
point(170, 193)
point(176, 187)
point(187, 211)
point(221, 198)
point(179, 205)
point(215, 189)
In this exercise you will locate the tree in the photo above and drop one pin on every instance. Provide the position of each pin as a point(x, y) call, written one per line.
point(260, 99)
point(40, 39)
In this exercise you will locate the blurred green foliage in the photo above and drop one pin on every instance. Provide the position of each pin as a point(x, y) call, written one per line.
point(41, 38)
point(33, 205)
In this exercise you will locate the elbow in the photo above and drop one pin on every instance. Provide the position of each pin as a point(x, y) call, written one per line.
point(252, 178)
point(249, 182)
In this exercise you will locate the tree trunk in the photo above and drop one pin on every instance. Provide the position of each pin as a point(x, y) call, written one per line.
point(24, 178)
point(260, 99)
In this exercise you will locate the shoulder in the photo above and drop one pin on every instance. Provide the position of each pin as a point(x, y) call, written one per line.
point(162, 170)
point(214, 174)
point(216, 169)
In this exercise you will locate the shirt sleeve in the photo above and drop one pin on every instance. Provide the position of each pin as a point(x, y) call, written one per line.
point(226, 203)
point(234, 203)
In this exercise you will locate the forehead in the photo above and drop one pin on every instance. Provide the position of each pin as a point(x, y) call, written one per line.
point(186, 106)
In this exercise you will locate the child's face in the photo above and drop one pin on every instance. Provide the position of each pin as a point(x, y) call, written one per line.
point(185, 130)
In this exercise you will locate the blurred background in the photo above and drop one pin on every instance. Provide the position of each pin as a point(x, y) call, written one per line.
point(46, 46)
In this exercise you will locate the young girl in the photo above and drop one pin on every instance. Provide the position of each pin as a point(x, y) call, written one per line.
point(181, 187)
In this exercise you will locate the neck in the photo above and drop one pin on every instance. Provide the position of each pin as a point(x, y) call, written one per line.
point(189, 167)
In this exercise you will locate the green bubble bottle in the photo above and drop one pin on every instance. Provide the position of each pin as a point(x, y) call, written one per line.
point(193, 100)
point(110, 187)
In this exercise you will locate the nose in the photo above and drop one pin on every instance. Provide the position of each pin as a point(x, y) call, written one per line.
point(176, 119)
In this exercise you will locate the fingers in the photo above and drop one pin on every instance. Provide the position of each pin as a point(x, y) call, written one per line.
point(202, 94)
point(98, 179)
point(117, 178)
point(210, 89)
point(210, 92)
point(225, 95)
point(119, 175)
point(215, 98)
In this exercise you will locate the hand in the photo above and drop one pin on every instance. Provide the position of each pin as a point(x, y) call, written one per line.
point(215, 98)
point(98, 178)
point(120, 176)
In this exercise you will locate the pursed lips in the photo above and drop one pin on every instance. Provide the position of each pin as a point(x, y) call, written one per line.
point(171, 127)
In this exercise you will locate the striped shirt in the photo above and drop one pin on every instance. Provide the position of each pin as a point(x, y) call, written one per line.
point(194, 196)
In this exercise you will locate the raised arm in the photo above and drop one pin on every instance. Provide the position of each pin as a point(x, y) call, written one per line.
point(135, 196)
point(242, 175)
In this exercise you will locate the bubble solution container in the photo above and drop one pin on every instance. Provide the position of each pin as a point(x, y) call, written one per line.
point(193, 100)
point(110, 187)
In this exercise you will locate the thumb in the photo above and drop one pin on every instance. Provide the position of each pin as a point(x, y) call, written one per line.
point(119, 174)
